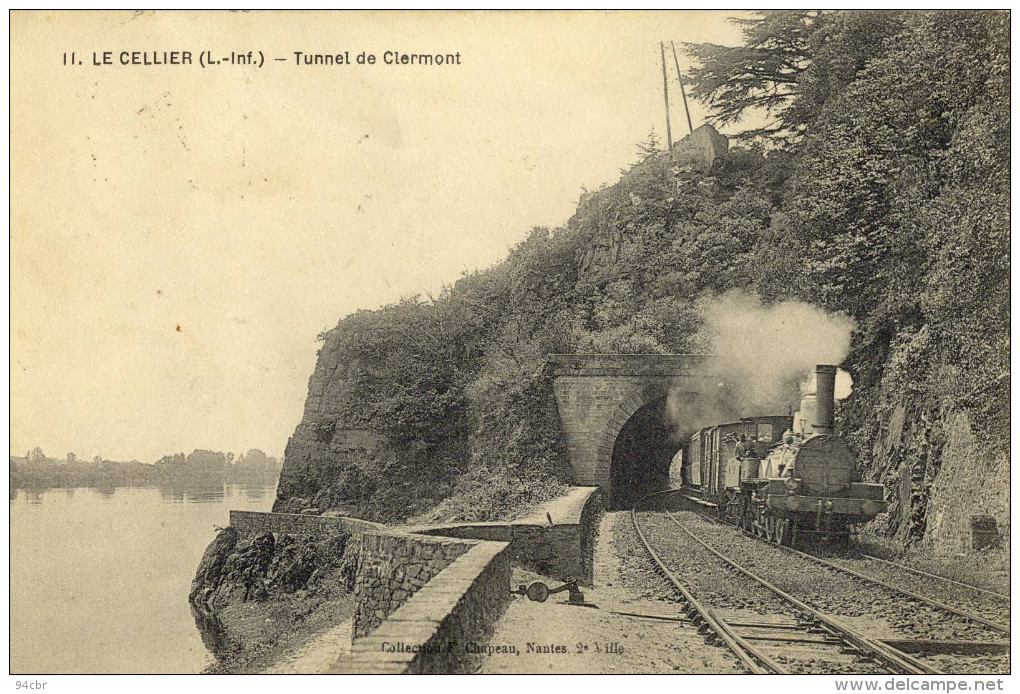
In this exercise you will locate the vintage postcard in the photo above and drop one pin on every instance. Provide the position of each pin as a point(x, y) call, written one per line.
point(511, 343)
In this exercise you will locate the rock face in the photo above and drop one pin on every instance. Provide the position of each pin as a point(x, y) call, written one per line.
point(210, 568)
point(233, 571)
point(942, 483)
point(324, 459)
point(606, 217)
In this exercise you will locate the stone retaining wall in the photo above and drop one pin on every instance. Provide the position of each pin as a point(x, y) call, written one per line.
point(563, 550)
point(434, 631)
point(392, 568)
point(591, 517)
point(425, 595)
point(255, 523)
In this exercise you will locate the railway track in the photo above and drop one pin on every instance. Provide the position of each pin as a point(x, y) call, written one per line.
point(943, 579)
point(768, 629)
point(997, 602)
point(705, 619)
point(942, 636)
point(972, 602)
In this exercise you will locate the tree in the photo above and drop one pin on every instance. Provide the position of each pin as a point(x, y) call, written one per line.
point(791, 63)
point(763, 74)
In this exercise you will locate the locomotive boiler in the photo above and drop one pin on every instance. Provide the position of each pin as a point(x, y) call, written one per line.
point(782, 478)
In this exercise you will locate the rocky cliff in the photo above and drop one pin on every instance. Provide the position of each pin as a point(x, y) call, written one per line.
point(949, 490)
point(234, 570)
point(445, 407)
point(326, 458)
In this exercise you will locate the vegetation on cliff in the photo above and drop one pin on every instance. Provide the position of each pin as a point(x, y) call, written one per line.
point(877, 187)
point(254, 598)
point(458, 388)
point(896, 208)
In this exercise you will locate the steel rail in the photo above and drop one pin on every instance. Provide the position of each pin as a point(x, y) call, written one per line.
point(754, 660)
point(995, 626)
point(903, 662)
point(941, 578)
point(889, 586)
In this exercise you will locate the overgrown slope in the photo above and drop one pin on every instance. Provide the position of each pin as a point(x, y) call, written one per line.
point(450, 400)
point(882, 192)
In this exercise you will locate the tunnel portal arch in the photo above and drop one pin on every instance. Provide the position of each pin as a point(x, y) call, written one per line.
point(598, 394)
point(642, 454)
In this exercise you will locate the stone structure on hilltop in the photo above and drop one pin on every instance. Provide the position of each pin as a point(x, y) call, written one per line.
point(705, 150)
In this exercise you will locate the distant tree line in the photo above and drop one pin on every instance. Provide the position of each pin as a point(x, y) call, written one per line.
point(36, 470)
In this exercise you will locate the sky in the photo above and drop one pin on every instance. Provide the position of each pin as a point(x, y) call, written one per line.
point(181, 234)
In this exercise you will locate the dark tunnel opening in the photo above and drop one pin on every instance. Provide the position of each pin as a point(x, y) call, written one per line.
point(642, 455)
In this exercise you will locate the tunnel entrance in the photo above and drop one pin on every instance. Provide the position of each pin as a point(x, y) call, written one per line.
point(642, 455)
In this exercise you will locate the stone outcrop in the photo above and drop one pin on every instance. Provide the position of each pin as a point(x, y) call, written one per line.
point(611, 218)
point(210, 568)
point(941, 482)
point(329, 451)
point(235, 570)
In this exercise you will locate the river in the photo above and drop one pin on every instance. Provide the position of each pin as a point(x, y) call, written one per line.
point(99, 579)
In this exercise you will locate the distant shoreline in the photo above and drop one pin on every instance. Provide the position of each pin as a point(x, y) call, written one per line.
point(184, 481)
point(198, 469)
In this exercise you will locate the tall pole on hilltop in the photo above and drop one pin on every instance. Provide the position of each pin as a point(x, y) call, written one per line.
point(665, 94)
point(683, 92)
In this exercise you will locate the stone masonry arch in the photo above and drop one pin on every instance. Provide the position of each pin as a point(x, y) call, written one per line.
point(631, 403)
point(596, 395)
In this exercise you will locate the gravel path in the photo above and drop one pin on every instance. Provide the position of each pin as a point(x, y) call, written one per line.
point(603, 640)
point(316, 656)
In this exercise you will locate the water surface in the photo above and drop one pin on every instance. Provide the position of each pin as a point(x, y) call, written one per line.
point(99, 578)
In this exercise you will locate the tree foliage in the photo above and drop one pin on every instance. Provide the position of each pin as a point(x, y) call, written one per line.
point(791, 62)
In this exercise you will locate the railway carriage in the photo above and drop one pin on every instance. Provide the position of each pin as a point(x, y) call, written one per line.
point(710, 457)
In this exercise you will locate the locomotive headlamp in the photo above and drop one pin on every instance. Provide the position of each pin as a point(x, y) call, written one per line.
point(792, 484)
point(828, 504)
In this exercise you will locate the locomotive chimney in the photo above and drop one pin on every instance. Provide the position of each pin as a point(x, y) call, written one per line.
point(825, 391)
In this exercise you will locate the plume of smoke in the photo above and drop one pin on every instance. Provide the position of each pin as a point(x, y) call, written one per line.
point(763, 359)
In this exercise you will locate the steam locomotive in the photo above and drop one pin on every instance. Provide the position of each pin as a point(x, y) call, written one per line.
point(782, 478)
